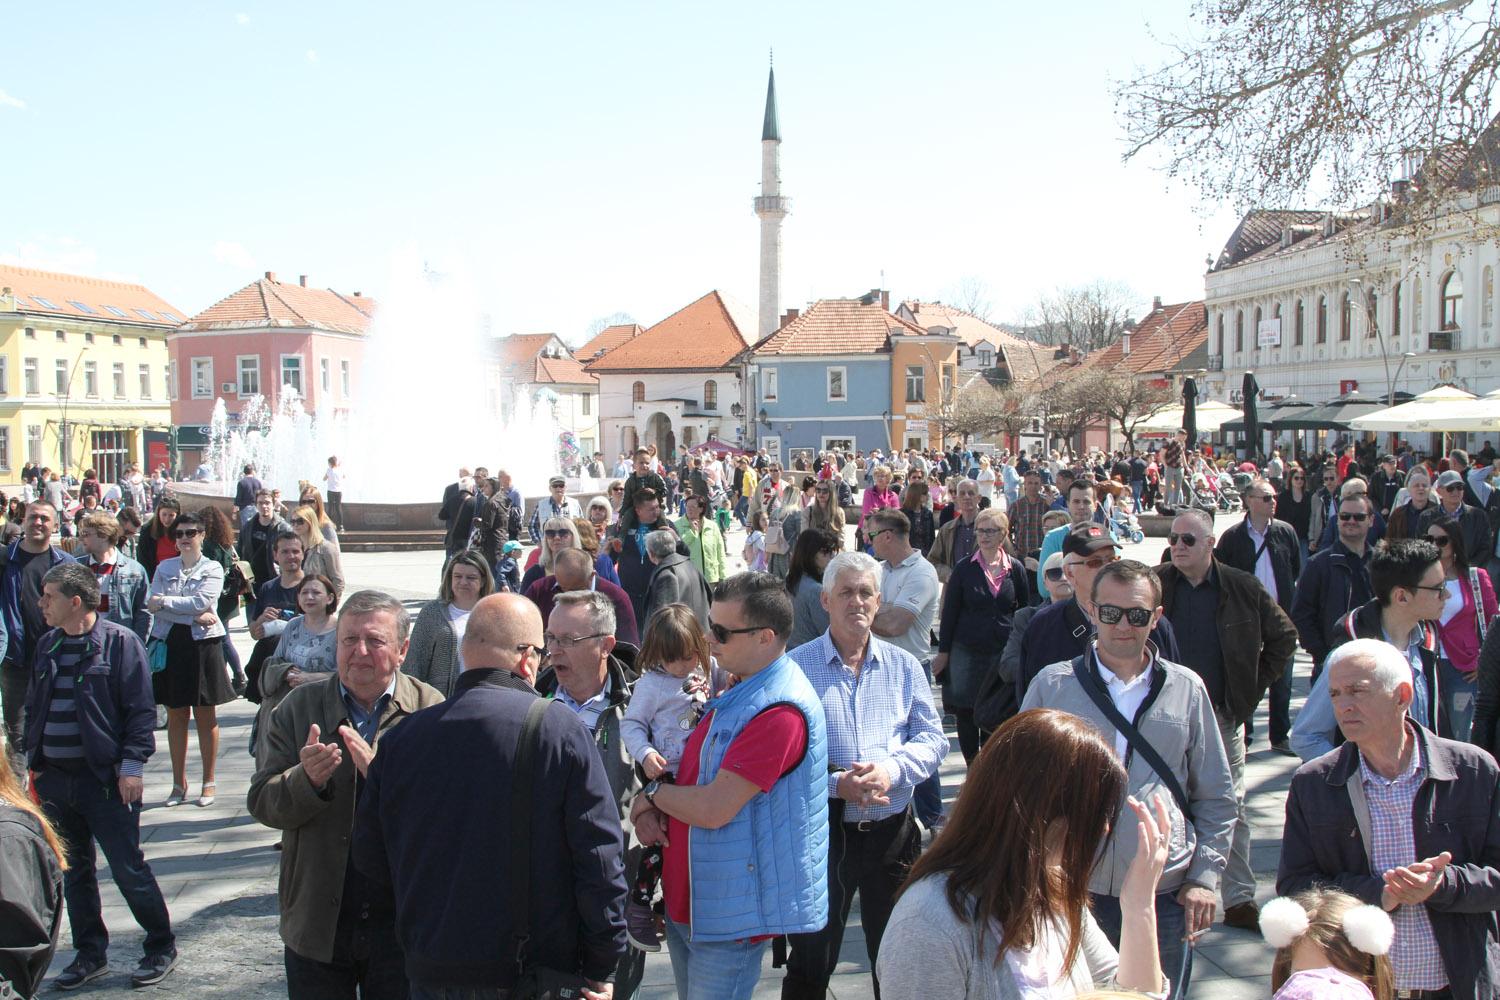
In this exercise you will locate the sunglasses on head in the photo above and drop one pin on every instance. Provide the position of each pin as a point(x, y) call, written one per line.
point(1110, 614)
point(1347, 516)
point(1187, 538)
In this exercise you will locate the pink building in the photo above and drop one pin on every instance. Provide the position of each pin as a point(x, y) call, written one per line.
point(265, 339)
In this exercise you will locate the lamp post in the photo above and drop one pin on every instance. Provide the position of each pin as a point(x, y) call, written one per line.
point(65, 434)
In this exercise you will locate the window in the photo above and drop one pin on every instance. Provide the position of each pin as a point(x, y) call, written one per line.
point(82, 308)
point(117, 340)
point(916, 384)
point(1322, 319)
point(249, 372)
point(141, 342)
point(91, 379)
point(5, 448)
point(638, 392)
point(109, 452)
point(1219, 340)
point(44, 303)
point(117, 375)
point(1299, 325)
point(346, 381)
point(61, 335)
point(836, 390)
point(146, 315)
point(171, 380)
point(1416, 307)
point(1372, 314)
point(1255, 330)
point(1396, 312)
point(291, 372)
point(34, 444)
point(1487, 297)
point(325, 370)
point(88, 338)
point(30, 333)
point(587, 403)
point(1239, 330)
point(31, 380)
point(60, 377)
point(710, 395)
point(986, 358)
point(1452, 292)
point(203, 378)
point(768, 385)
point(4, 375)
point(1346, 317)
point(145, 374)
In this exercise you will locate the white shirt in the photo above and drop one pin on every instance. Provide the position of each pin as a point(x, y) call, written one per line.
point(912, 584)
point(1264, 571)
point(334, 477)
point(459, 619)
point(1127, 696)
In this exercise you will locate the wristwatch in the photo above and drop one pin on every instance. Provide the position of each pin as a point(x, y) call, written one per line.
point(651, 789)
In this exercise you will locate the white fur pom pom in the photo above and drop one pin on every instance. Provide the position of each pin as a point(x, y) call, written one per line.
point(1369, 929)
point(1282, 922)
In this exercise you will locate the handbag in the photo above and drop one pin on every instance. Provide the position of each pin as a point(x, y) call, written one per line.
point(156, 654)
point(533, 982)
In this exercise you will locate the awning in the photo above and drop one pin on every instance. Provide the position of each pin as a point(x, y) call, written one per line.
point(715, 445)
point(1335, 415)
point(1211, 416)
point(1270, 419)
point(1444, 408)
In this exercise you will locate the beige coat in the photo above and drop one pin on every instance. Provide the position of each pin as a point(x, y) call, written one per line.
point(315, 825)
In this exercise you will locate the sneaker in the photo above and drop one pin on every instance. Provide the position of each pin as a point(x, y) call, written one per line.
point(153, 969)
point(1284, 748)
point(80, 972)
point(640, 927)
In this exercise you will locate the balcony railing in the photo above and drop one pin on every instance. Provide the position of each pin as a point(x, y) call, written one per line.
point(1216, 362)
point(1443, 340)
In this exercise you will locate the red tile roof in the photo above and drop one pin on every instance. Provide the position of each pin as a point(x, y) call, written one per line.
point(269, 303)
point(53, 294)
point(1026, 360)
point(608, 339)
point(522, 356)
point(838, 326)
point(705, 335)
point(1159, 341)
point(566, 370)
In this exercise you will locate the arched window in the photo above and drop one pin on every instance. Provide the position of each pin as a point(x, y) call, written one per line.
point(1452, 291)
point(1346, 317)
point(1372, 315)
point(1322, 319)
point(1219, 341)
point(1239, 330)
point(1255, 330)
point(1487, 298)
point(638, 392)
point(1416, 307)
point(1396, 312)
point(710, 395)
point(1298, 325)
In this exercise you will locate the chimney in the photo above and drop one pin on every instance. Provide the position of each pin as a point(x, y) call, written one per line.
point(302, 280)
point(356, 295)
point(791, 314)
point(885, 300)
point(1156, 304)
point(270, 275)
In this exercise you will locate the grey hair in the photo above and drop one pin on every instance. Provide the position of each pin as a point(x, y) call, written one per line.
point(1388, 665)
point(601, 611)
point(661, 543)
point(73, 579)
point(369, 602)
point(849, 562)
point(1201, 516)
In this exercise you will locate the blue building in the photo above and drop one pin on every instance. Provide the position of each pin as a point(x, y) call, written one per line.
point(823, 381)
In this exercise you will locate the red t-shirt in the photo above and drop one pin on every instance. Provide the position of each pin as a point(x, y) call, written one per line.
point(771, 744)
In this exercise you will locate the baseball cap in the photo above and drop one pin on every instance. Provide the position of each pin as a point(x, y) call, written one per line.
point(557, 481)
point(1449, 478)
point(1085, 539)
point(510, 547)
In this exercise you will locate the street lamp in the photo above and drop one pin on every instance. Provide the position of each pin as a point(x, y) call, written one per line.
point(1390, 383)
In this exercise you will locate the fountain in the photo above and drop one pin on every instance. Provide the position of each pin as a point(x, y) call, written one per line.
point(428, 400)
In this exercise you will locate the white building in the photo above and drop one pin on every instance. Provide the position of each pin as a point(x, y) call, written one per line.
point(531, 362)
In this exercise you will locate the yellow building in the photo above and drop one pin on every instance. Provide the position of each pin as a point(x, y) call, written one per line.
point(83, 374)
point(924, 370)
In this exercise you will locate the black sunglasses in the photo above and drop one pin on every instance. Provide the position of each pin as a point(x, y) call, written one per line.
point(1453, 488)
point(1055, 573)
point(1186, 538)
point(1110, 614)
point(186, 533)
point(722, 634)
point(1439, 540)
point(557, 533)
point(1343, 516)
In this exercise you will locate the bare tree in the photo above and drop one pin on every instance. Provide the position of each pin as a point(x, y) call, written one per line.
point(1278, 102)
point(972, 295)
point(1073, 405)
point(1084, 317)
point(1127, 401)
point(982, 408)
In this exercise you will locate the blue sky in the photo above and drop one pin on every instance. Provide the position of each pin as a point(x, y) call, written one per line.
point(587, 158)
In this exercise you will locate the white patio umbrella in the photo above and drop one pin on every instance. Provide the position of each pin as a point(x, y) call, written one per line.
point(1211, 415)
point(1444, 408)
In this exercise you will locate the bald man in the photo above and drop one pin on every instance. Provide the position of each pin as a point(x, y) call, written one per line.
point(573, 570)
point(459, 763)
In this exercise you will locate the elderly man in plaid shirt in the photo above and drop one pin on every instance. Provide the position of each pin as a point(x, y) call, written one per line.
point(884, 738)
point(1405, 820)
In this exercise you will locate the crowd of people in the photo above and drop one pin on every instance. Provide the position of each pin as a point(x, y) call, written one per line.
point(654, 750)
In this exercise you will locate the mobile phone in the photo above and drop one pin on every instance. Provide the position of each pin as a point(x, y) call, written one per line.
point(287, 614)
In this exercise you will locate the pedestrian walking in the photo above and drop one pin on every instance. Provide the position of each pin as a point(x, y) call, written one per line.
point(1469, 608)
point(1333, 583)
point(333, 478)
point(25, 563)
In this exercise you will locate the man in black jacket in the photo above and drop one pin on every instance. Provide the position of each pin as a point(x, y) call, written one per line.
point(1403, 820)
point(1384, 485)
point(457, 762)
point(1472, 520)
point(1269, 550)
point(23, 564)
point(1333, 582)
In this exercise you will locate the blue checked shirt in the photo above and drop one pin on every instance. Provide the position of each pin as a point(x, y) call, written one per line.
point(1414, 951)
point(882, 715)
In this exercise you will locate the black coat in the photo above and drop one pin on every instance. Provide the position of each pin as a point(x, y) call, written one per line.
point(450, 878)
point(1237, 549)
point(1333, 583)
point(1475, 525)
point(498, 522)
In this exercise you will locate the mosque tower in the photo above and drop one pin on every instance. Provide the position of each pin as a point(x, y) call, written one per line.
point(771, 207)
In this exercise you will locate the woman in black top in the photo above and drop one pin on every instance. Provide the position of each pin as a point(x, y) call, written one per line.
point(978, 602)
point(1294, 505)
point(923, 524)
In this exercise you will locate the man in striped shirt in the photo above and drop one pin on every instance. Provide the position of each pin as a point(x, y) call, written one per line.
point(89, 721)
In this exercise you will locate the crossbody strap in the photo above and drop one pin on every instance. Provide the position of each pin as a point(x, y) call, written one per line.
point(520, 830)
point(1478, 604)
point(1082, 670)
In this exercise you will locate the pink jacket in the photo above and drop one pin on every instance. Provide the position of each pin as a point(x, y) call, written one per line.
point(874, 500)
point(1460, 636)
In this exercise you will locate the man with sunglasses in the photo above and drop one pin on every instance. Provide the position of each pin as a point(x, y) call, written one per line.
point(1334, 582)
point(1248, 647)
point(1374, 524)
point(1407, 576)
point(1471, 520)
point(1324, 507)
point(1169, 709)
point(748, 816)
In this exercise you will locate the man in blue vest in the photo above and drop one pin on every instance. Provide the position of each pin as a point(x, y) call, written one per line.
point(747, 819)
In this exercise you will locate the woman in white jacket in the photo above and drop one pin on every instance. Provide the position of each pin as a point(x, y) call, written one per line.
point(184, 594)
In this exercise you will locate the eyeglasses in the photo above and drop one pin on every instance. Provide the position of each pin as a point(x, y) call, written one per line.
point(1110, 614)
point(1055, 573)
point(1094, 562)
point(870, 536)
point(1352, 517)
point(186, 533)
point(542, 653)
point(1299, 477)
point(1435, 590)
point(722, 634)
point(300, 520)
point(1260, 496)
point(1439, 540)
point(617, 489)
point(568, 642)
point(557, 533)
point(1453, 488)
point(1187, 538)
point(986, 531)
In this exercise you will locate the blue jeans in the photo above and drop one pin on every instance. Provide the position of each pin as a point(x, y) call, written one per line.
point(713, 970)
point(1171, 927)
point(1456, 702)
point(85, 810)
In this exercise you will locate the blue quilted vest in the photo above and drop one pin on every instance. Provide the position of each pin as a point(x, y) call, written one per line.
point(765, 872)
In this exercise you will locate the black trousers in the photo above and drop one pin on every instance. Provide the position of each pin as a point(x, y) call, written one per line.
point(872, 862)
point(368, 964)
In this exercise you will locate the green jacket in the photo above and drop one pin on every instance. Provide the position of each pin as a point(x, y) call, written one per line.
point(705, 547)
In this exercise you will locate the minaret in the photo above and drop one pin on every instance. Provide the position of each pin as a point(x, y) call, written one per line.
point(772, 208)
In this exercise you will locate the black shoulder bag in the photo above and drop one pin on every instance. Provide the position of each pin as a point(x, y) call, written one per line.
point(533, 982)
point(1134, 740)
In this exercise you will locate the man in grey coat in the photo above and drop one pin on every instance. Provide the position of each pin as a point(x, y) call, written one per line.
point(1173, 715)
point(675, 580)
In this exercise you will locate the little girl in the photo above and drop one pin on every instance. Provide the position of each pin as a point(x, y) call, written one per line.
point(755, 543)
point(1328, 944)
point(664, 707)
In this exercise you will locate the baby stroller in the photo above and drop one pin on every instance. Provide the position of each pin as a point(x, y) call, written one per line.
point(1205, 498)
point(1229, 497)
point(1126, 525)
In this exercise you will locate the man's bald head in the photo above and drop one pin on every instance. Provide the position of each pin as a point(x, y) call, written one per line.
point(497, 626)
point(574, 568)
